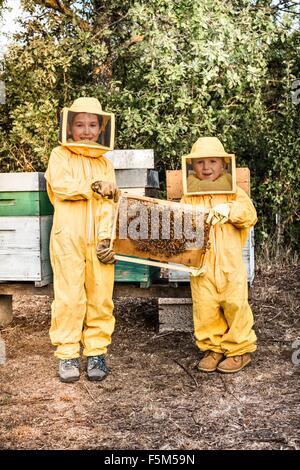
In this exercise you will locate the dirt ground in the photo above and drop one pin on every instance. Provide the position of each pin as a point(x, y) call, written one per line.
point(154, 397)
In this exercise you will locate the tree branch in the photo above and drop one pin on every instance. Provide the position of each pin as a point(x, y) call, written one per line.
point(59, 6)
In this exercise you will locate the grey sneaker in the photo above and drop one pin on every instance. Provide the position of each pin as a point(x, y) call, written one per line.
point(96, 368)
point(68, 370)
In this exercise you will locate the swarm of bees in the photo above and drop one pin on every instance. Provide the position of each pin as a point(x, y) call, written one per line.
point(153, 238)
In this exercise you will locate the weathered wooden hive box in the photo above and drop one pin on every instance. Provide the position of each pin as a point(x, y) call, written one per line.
point(25, 225)
point(136, 176)
point(135, 172)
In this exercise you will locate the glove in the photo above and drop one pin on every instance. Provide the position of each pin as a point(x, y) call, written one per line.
point(106, 189)
point(105, 254)
point(218, 214)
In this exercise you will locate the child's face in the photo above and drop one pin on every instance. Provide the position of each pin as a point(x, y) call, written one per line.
point(85, 126)
point(208, 168)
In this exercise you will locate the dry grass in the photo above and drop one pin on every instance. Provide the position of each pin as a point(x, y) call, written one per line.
point(154, 397)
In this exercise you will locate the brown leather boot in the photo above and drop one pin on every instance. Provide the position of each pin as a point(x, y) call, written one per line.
point(234, 363)
point(210, 361)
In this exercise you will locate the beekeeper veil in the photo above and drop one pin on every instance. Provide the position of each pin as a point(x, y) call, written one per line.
point(85, 129)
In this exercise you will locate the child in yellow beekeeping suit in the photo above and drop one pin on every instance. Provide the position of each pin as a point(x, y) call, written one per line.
point(222, 317)
point(81, 186)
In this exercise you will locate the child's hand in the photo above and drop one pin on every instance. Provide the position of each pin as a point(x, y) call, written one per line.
point(106, 189)
point(218, 214)
point(105, 254)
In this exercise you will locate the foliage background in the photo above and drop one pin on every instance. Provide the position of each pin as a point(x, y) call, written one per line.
point(172, 71)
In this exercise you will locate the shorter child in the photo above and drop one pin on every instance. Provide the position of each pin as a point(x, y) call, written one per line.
point(222, 316)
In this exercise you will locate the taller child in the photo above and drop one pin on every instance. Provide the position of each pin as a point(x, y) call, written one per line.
point(82, 310)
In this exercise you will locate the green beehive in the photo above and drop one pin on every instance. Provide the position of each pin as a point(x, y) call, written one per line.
point(136, 273)
point(25, 203)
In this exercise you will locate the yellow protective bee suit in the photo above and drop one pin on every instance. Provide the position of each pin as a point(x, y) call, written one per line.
point(82, 310)
point(222, 316)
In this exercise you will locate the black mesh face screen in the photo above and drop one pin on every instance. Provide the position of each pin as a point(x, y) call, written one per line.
point(72, 130)
point(105, 135)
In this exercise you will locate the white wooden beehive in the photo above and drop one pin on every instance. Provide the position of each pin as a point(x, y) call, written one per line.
point(24, 239)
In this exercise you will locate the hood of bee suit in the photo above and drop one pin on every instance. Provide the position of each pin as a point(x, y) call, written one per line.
point(87, 148)
point(208, 147)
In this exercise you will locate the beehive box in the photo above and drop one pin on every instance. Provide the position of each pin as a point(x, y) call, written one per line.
point(148, 229)
point(25, 225)
point(135, 176)
point(27, 203)
point(135, 172)
point(174, 192)
point(135, 273)
point(131, 159)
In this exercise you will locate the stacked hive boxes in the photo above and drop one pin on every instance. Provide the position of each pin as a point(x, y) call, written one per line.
point(136, 176)
point(25, 224)
point(135, 172)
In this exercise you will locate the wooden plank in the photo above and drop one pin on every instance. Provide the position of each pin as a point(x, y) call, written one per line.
point(137, 178)
point(25, 203)
point(192, 270)
point(175, 314)
point(23, 181)
point(148, 192)
point(174, 182)
point(24, 288)
point(154, 291)
point(120, 290)
point(172, 301)
point(243, 179)
point(178, 276)
point(131, 159)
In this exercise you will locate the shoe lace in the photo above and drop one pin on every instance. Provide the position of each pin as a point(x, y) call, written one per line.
point(71, 362)
point(210, 353)
point(236, 358)
point(99, 362)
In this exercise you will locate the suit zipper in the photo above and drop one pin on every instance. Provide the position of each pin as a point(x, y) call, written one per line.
point(90, 208)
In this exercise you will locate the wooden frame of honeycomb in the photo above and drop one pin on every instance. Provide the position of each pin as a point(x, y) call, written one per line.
point(159, 251)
